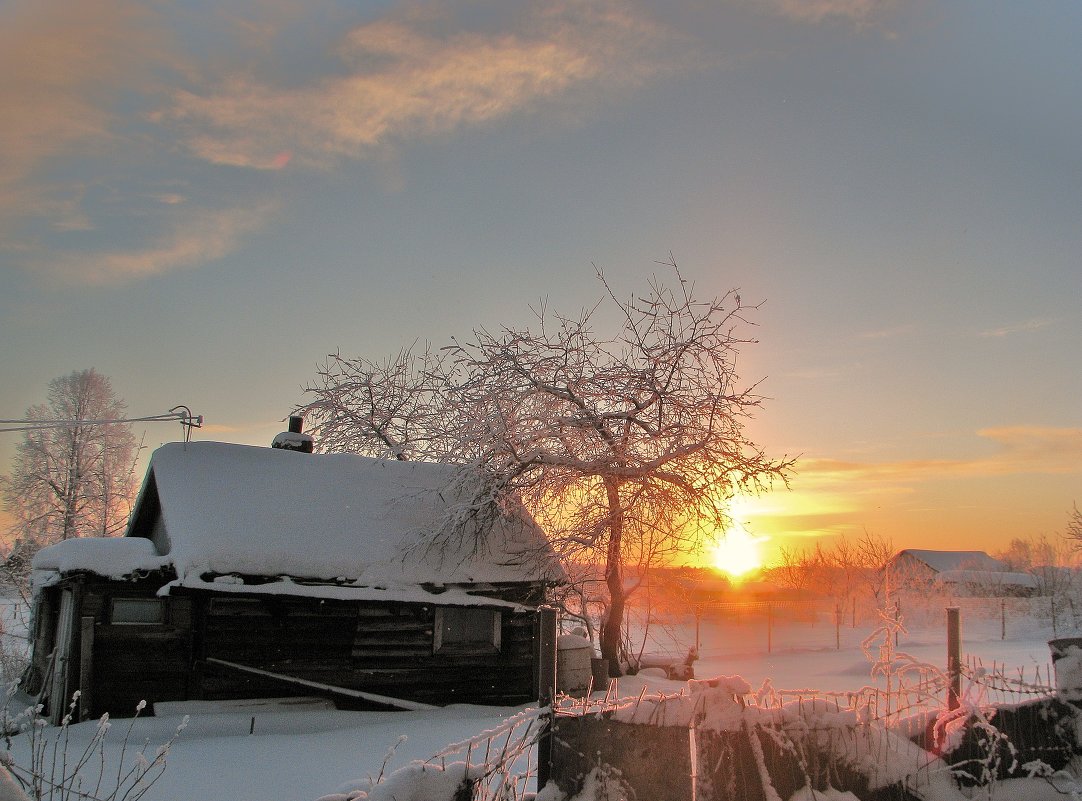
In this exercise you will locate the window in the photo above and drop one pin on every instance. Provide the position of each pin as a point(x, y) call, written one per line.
point(137, 611)
point(461, 629)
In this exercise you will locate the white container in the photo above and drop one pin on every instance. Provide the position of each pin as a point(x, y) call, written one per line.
point(573, 671)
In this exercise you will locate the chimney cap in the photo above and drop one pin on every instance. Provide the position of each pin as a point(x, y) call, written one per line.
point(294, 439)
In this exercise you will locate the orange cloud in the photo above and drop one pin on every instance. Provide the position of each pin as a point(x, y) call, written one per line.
point(94, 84)
point(1038, 449)
point(63, 69)
point(411, 77)
point(1022, 449)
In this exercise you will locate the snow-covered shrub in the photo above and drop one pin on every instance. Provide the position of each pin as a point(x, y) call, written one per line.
point(57, 770)
point(14, 648)
point(490, 766)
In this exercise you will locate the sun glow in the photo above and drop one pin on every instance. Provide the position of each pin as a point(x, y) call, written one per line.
point(737, 553)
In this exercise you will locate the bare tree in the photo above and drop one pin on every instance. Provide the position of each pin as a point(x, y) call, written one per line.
point(876, 553)
point(845, 570)
point(626, 447)
point(73, 473)
point(793, 569)
point(1051, 562)
point(390, 408)
point(1074, 528)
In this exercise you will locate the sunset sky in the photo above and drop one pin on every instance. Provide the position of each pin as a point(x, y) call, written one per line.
point(203, 199)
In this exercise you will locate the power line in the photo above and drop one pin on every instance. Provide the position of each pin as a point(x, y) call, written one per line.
point(181, 414)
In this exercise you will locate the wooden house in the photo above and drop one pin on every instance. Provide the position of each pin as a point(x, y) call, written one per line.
point(253, 572)
point(972, 573)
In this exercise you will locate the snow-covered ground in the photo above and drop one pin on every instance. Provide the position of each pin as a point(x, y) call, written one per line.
point(805, 654)
point(263, 754)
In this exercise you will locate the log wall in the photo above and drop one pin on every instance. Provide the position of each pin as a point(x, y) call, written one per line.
point(380, 648)
point(137, 662)
point(383, 648)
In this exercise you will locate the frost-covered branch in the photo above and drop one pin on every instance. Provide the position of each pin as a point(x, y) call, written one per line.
point(626, 446)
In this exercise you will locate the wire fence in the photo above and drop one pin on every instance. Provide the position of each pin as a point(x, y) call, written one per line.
point(722, 629)
point(801, 736)
point(496, 765)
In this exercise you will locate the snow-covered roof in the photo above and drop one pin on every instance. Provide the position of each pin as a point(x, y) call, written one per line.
point(217, 508)
point(351, 591)
point(107, 556)
point(988, 578)
point(940, 561)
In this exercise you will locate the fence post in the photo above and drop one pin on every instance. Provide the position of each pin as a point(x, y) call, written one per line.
point(546, 689)
point(954, 657)
point(698, 620)
point(769, 627)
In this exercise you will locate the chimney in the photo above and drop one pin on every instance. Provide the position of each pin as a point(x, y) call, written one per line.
point(294, 439)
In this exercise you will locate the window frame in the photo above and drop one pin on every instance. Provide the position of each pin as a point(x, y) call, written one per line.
point(145, 603)
point(492, 644)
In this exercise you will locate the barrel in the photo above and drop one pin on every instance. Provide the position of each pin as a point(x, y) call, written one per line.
point(573, 673)
point(1067, 660)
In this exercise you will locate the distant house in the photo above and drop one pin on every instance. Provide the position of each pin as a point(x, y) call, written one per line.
point(257, 572)
point(962, 572)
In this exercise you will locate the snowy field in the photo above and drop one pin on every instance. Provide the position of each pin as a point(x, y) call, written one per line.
point(259, 754)
point(796, 655)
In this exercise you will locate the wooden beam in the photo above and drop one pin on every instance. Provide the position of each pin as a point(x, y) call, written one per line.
point(386, 700)
point(954, 657)
point(86, 666)
point(545, 672)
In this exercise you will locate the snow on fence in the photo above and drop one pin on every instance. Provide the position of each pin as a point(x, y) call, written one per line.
point(999, 684)
point(719, 739)
point(921, 737)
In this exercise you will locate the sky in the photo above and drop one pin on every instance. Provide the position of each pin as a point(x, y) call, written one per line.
point(201, 200)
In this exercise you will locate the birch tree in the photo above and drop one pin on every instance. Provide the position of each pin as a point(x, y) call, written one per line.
point(73, 473)
point(625, 445)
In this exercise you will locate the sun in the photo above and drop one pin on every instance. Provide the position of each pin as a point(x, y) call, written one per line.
point(737, 553)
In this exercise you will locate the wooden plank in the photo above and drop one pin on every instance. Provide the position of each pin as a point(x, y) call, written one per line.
point(400, 611)
point(236, 607)
point(86, 665)
point(400, 703)
point(180, 612)
point(380, 625)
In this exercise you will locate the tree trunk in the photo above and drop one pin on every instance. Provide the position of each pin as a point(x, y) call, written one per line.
point(614, 580)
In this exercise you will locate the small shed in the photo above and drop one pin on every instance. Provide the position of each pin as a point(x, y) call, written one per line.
point(917, 565)
point(252, 572)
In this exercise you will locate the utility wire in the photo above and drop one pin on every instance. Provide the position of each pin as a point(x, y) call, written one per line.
point(181, 414)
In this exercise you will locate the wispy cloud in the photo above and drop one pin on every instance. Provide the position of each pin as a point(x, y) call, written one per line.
point(831, 496)
point(64, 70)
point(1018, 328)
point(1022, 449)
point(97, 100)
point(1038, 449)
point(823, 10)
point(893, 332)
point(417, 75)
point(194, 237)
